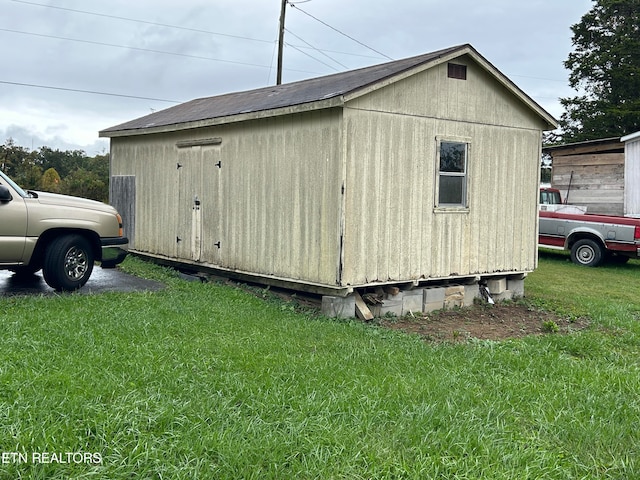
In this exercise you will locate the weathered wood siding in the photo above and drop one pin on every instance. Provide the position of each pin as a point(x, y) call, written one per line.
point(632, 178)
point(271, 207)
point(392, 230)
point(593, 175)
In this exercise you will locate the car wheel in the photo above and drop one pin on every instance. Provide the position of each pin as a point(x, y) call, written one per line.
point(587, 252)
point(68, 263)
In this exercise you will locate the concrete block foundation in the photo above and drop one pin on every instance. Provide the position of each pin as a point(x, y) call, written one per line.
point(427, 299)
point(339, 307)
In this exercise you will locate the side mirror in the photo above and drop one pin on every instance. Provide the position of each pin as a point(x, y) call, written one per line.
point(5, 194)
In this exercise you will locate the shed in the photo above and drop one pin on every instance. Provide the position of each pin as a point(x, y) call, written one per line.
point(590, 173)
point(414, 172)
point(631, 174)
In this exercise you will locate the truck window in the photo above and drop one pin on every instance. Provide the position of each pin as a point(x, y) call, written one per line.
point(549, 197)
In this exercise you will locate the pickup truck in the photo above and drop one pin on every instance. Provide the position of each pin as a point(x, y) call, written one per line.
point(60, 234)
point(590, 238)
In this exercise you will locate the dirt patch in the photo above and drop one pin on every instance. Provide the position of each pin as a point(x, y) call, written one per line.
point(484, 322)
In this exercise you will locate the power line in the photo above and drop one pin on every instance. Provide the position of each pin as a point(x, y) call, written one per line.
point(93, 92)
point(311, 57)
point(168, 25)
point(157, 24)
point(316, 49)
point(148, 50)
point(341, 33)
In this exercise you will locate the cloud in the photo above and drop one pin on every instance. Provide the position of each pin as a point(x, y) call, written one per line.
point(134, 49)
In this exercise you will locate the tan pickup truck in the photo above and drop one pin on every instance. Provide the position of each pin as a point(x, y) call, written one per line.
point(59, 234)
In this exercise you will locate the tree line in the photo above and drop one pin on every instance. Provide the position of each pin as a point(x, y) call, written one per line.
point(69, 172)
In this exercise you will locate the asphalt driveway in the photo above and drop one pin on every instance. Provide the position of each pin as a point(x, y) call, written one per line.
point(102, 280)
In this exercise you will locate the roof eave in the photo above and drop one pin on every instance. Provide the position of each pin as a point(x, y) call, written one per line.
point(333, 102)
point(631, 136)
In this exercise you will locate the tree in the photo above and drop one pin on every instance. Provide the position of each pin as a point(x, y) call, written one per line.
point(51, 181)
point(66, 172)
point(605, 69)
point(20, 164)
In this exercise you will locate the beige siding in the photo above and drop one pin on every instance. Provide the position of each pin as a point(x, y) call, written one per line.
point(479, 99)
point(274, 205)
point(393, 232)
point(153, 162)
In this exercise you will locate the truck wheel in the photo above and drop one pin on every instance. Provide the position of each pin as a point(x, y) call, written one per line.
point(587, 253)
point(68, 263)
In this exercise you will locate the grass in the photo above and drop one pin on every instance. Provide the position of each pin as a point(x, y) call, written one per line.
point(208, 381)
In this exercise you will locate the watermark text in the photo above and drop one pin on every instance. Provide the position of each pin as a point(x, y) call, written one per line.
point(92, 458)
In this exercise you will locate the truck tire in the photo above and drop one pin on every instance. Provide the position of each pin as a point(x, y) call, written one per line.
point(587, 252)
point(68, 263)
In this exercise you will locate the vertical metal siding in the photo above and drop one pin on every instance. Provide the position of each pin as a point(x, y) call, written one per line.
point(632, 178)
point(281, 182)
point(153, 163)
point(274, 205)
point(392, 230)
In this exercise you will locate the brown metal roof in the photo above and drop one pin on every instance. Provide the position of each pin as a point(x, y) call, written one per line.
point(279, 96)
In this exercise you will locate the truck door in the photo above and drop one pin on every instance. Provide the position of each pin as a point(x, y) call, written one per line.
point(13, 228)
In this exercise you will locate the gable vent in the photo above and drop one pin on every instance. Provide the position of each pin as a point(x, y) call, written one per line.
point(455, 70)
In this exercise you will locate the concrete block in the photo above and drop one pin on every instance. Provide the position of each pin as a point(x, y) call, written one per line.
point(432, 306)
point(339, 307)
point(434, 294)
point(454, 296)
point(412, 301)
point(471, 292)
point(433, 299)
point(516, 286)
point(392, 306)
point(506, 295)
point(497, 285)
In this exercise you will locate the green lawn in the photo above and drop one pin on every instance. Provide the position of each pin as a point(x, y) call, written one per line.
point(209, 381)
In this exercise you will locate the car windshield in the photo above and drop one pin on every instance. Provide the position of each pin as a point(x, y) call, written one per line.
point(20, 191)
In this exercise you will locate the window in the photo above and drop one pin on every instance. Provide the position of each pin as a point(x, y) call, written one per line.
point(457, 71)
point(452, 174)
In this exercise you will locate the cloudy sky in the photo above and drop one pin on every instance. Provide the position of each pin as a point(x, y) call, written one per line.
point(73, 67)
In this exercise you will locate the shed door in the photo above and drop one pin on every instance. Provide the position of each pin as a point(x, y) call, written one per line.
point(213, 241)
point(198, 238)
point(189, 235)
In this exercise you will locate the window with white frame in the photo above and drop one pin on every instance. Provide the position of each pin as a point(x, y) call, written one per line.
point(452, 174)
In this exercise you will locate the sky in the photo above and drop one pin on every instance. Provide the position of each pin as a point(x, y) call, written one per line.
point(71, 68)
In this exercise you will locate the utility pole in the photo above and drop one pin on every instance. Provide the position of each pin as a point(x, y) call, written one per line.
point(281, 42)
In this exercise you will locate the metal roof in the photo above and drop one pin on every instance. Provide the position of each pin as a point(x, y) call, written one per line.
point(615, 141)
point(281, 96)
